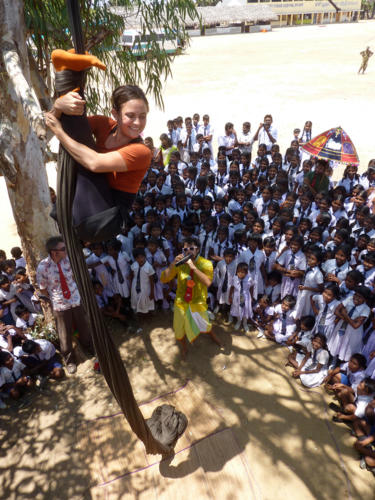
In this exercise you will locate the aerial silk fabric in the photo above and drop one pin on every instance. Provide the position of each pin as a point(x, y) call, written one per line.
point(166, 424)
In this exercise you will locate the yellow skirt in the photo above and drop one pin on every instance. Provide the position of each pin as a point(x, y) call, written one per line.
point(190, 320)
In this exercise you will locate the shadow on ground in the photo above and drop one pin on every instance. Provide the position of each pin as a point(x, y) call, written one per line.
point(290, 444)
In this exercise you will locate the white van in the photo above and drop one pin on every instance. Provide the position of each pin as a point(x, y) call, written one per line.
point(139, 44)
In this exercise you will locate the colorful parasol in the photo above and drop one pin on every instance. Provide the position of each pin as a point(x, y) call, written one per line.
point(335, 145)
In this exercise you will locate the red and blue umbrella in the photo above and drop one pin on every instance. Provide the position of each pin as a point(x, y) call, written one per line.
point(335, 145)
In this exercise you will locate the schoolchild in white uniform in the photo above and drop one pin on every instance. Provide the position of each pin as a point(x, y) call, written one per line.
point(324, 306)
point(336, 269)
point(254, 258)
point(346, 338)
point(314, 368)
point(13, 379)
point(207, 131)
point(25, 319)
point(284, 320)
point(347, 374)
point(240, 297)
point(142, 288)
point(245, 140)
point(292, 265)
point(118, 262)
point(223, 278)
point(312, 283)
point(158, 261)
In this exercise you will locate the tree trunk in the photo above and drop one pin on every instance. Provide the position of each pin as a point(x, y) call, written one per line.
point(22, 135)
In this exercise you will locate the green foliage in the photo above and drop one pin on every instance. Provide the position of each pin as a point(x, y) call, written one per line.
point(48, 29)
point(42, 330)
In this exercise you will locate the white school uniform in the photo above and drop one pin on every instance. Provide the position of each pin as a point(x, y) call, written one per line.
point(126, 242)
point(254, 261)
point(159, 258)
point(354, 378)
point(369, 275)
point(228, 141)
point(321, 356)
point(123, 263)
point(11, 376)
point(219, 277)
point(290, 325)
point(140, 301)
point(11, 294)
point(263, 137)
point(330, 267)
point(328, 326)
point(47, 352)
point(241, 303)
point(273, 292)
point(100, 272)
point(269, 261)
point(313, 278)
point(205, 131)
point(346, 340)
point(21, 323)
point(245, 139)
point(289, 286)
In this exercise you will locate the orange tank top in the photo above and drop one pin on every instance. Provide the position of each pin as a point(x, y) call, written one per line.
point(137, 156)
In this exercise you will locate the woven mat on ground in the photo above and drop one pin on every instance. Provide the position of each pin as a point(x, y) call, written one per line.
point(208, 462)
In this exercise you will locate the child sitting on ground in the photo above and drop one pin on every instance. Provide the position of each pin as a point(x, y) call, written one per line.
point(13, 378)
point(110, 305)
point(41, 358)
point(314, 367)
point(300, 341)
point(348, 374)
point(284, 322)
point(354, 403)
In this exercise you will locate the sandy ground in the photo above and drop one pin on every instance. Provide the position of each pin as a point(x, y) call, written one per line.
point(293, 448)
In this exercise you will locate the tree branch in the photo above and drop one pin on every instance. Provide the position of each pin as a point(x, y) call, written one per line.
point(25, 93)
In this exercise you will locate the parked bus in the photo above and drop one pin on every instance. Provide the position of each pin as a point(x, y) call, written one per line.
point(140, 44)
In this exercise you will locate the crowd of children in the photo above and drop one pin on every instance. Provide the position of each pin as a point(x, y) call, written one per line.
point(293, 254)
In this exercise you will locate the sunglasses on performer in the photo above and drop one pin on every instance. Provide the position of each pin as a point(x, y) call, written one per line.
point(189, 249)
point(62, 249)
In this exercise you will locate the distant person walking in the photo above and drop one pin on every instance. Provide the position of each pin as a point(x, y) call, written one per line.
point(366, 54)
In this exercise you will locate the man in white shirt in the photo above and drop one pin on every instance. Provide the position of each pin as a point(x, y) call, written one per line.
point(187, 141)
point(207, 131)
point(266, 133)
point(244, 140)
point(229, 139)
point(55, 279)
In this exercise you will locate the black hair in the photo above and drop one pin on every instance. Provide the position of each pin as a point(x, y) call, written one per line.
point(20, 309)
point(3, 279)
point(356, 276)
point(242, 266)
point(333, 287)
point(322, 338)
point(4, 355)
point(29, 346)
point(308, 321)
point(275, 275)
point(290, 300)
point(369, 257)
point(369, 385)
point(139, 251)
point(21, 271)
point(363, 291)
point(114, 244)
point(192, 240)
point(345, 249)
point(361, 360)
point(52, 242)
point(269, 241)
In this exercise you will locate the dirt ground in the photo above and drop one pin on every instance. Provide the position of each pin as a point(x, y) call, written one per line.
point(292, 447)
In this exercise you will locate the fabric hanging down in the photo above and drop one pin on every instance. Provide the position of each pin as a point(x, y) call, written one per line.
point(166, 425)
